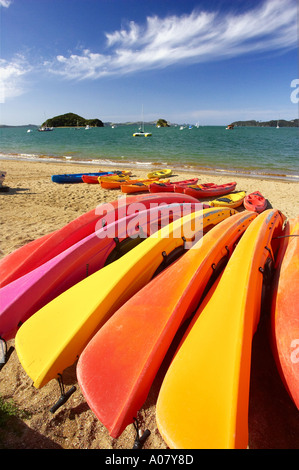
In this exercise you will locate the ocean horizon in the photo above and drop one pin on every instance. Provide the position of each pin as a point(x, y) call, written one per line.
point(264, 152)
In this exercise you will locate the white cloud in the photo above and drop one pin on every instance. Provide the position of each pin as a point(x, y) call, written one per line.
point(5, 3)
point(195, 38)
point(11, 77)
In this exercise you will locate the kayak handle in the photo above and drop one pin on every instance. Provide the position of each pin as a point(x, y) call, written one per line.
point(140, 439)
point(64, 395)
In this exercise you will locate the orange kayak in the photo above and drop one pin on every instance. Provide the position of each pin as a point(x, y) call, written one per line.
point(117, 368)
point(285, 310)
point(139, 187)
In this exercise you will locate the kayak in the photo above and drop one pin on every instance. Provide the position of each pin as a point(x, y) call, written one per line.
point(76, 177)
point(204, 398)
point(210, 189)
point(115, 375)
point(230, 200)
point(255, 202)
point(116, 184)
point(94, 179)
point(137, 187)
point(23, 297)
point(284, 311)
point(52, 338)
point(161, 187)
point(160, 173)
point(37, 252)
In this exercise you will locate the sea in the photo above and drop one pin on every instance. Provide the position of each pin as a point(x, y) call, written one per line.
point(266, 152)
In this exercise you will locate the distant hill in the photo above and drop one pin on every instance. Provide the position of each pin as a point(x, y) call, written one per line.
point(72, 120)
point(273, 123)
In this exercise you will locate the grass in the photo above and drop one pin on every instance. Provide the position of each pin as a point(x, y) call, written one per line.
point(9, 409)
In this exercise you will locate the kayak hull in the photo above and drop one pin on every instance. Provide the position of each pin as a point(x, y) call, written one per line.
point(284, 312)
point(52, 338)
point(37, 252)
point(211, 368)
point(115, 375)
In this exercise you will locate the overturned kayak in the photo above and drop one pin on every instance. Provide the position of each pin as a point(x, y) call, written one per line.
point(37, 252)
point(23, 297)
point(52, 338)
point(284, 314)
point(211, 368)
point(118, 366)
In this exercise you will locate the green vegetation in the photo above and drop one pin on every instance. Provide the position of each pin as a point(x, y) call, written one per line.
point(272, 123)
point(162, 123)
point(72, 120)
point(9, 409)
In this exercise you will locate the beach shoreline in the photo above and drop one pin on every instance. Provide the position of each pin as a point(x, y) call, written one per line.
point(35, 206)
point(109, 165)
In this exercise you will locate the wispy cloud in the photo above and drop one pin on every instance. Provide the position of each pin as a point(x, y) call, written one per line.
point(11, 77)
point(194, 38)
point(5, 3)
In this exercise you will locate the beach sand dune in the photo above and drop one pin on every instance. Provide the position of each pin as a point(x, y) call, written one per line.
point(35, 206)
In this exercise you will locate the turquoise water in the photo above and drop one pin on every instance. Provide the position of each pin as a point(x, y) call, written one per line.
point(255, 151)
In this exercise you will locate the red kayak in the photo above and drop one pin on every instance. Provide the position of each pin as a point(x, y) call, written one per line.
point(209, 189)
point(255, 202)
point(170, 187)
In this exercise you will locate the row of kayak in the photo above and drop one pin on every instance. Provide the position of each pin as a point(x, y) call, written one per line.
point(121, 180)
point(93, 178)
point(114, 298)
point(255, 201)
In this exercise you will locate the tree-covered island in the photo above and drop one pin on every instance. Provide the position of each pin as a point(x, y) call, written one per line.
point(72, 120)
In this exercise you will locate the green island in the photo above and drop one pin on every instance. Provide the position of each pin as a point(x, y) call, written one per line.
point(272, 123)
point(72, 120)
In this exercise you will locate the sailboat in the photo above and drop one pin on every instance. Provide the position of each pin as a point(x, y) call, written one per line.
point(141, 129)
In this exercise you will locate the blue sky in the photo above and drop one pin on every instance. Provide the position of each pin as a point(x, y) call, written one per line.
point(186, 61)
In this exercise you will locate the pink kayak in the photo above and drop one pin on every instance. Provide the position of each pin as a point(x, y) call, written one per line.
point(29, 293)
point(37, 252)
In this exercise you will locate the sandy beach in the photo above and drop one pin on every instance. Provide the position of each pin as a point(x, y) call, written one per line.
point(35, 206)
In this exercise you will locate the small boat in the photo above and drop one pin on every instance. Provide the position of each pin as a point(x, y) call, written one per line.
point(158, 187)
point(255, 202)
point(230, 127)
point(45, 129)
point(230, 200)
point(160, 173)
point(141, 132)
point(210, 189)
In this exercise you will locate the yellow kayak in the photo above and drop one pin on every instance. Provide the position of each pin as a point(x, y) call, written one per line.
point(55, 336)
point(160, 173)
point(229, 200)
point(203, 401)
